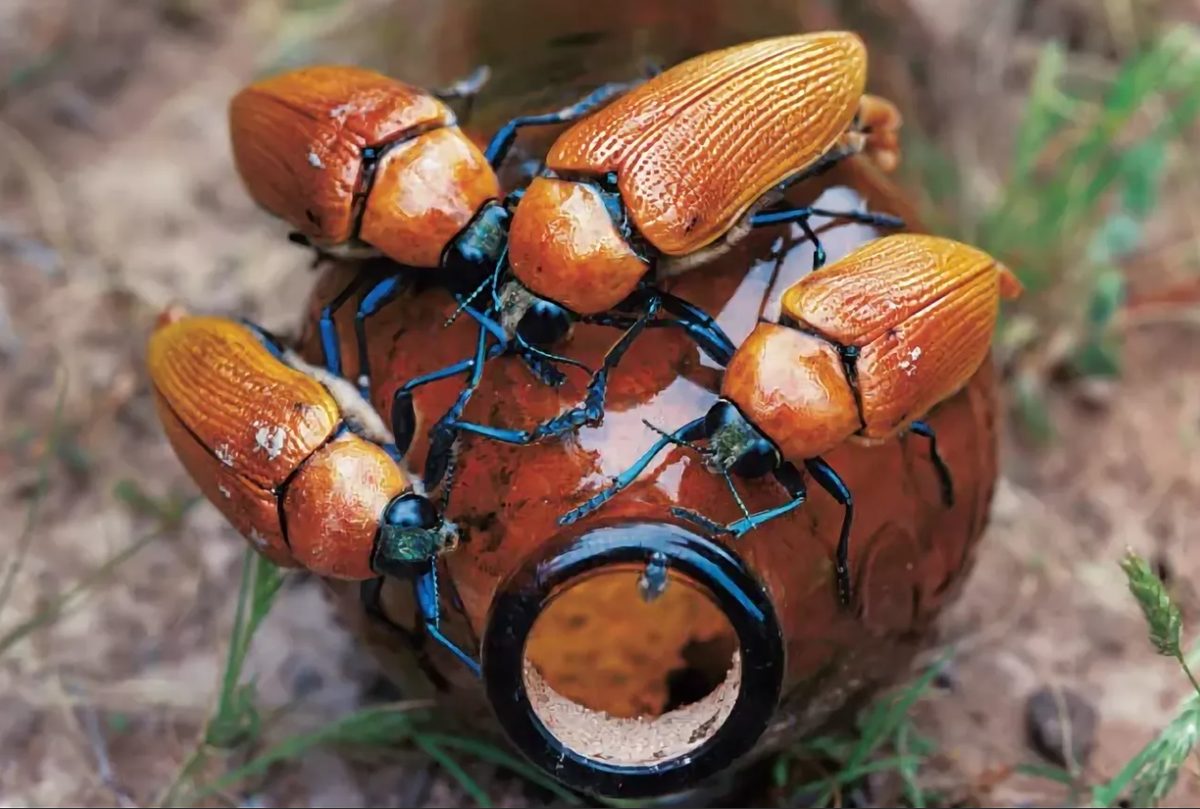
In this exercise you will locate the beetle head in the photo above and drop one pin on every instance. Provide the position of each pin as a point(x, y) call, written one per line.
point(411, 535)
point(735, 445)
point(544, 323)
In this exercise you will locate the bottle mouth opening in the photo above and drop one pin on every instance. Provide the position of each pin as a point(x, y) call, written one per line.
point(619, 674)
point(633, 660)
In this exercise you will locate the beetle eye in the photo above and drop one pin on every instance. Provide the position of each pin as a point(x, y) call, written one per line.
point(544, 324)
point(411, 510)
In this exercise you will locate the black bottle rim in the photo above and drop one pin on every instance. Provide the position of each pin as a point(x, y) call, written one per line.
point(733, 588)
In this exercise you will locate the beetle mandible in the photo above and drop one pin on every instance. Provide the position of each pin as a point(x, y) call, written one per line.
point(867, 347)
point(295, 458)
point(673, 173)
point(361, 164)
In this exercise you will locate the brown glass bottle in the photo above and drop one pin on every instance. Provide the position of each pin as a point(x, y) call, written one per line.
point(748, 632)
point(746, 649)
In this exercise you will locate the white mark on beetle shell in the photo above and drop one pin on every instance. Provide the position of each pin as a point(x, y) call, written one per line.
point(221, 488)
point(314, 160)
point(910, 365)
point(270, 441)
point(342, 110)
point(223, 453)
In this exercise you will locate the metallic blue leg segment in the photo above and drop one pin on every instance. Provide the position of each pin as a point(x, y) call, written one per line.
point(699, 325)
point(589, 413)
point(692, 431)
point(787, 475)
point(330, 345)
point(504, 138)
point(430, 607)
point(943, 471)
point(829, 481)
point(376, 298)
point(766, 218)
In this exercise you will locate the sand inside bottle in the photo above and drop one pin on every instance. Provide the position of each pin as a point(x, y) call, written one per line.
point(621, 679)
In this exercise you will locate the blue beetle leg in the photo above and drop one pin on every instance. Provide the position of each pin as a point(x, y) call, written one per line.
point(799, 216)
point(376, 298)
point(370, 594)
point(923, 428)
point(701, 327)
point(504, 138)
point(403, 414)
point(487, 324)
point(789, 215)
point(444, 433)
point(592, 409)
point(879, 220)
point(788, 476)
point(431, 610)
point(330, 345)
point(823, 473)
point(542, 363)
point(691, 431)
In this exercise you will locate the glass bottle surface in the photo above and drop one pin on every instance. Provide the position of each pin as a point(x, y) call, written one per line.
point(777, 657)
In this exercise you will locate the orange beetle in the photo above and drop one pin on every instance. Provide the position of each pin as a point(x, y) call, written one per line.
point(361, 164)
point(867, 346)
point(671, 174)
point(677, 169)
point(294, 458)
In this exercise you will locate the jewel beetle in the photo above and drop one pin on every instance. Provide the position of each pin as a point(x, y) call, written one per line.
point(361, 164)
point(674, 172)
point(866, 347)
point(295, 459)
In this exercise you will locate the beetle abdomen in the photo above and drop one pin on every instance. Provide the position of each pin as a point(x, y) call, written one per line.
point(250, 509)
point(697, 145)
point(332, 506)
point(920, 308)
point(792, 387)
point(423, 193)
point(298, 137)
point(564, 247)
point(255, 414)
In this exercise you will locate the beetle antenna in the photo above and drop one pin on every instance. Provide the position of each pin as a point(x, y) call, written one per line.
point(679, 442)
point(463, 304)
point(737, 497)
point(546, 355)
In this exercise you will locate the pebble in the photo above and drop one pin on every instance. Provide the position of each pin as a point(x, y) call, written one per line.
point(1047, 729)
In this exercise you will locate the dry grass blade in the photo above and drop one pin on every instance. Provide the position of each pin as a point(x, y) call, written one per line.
point(55, 609)
point(25, 540)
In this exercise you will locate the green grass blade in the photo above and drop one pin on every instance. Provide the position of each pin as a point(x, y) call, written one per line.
point(56, 608)
point(454, 770)
point(376, 726)
point(492, 755)
point(881, 723)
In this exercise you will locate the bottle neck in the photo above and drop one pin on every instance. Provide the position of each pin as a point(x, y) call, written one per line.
point(641, 758)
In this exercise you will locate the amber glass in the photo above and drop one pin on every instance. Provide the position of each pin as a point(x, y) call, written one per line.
point(766, 603)
point(746, 648)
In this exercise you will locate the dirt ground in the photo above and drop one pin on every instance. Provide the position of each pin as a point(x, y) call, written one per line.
point(117, 195)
